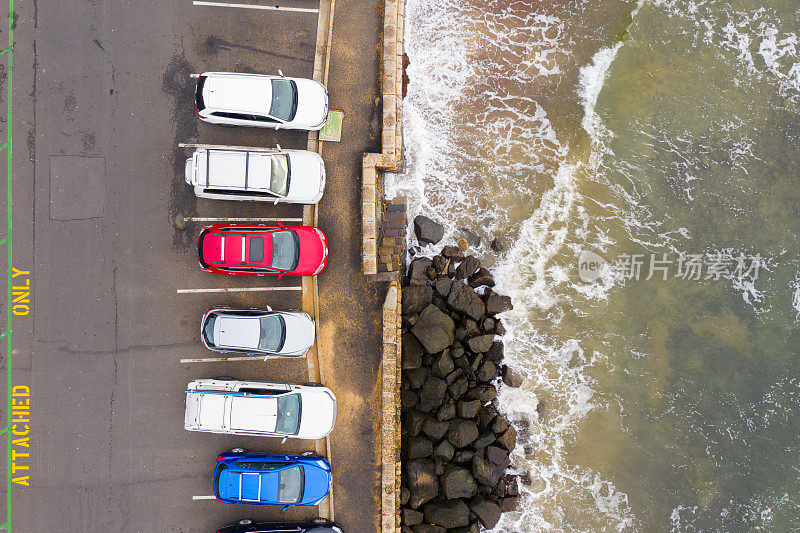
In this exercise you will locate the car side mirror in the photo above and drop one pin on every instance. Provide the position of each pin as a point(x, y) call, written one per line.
point(285, 507)
point(281, 73)
point(276, 200)
point(269, 308)
point(280, 275)
point(286, 457)
point(278, 146)
point(276, 127)
point(284, 439)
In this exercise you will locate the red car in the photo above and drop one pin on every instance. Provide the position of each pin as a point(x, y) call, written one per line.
point(264, 250)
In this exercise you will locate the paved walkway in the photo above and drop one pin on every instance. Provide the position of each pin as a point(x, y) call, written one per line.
point(350, 304)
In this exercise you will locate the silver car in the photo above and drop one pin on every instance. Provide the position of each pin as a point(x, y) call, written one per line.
point(269, 409)
point(257, 331)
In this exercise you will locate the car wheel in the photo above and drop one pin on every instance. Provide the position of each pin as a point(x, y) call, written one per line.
point(245, 522)
point(309, 384)
point(320, 520)
point(224, 378)
point(307, 454)
point(237, 450)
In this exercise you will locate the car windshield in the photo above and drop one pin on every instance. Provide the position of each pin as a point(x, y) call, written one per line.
point(279, 174)
point(208, 329)
point(285, 252)
point(220, 469)
point(288, 414)
point(290, 488)
point(272, 333)
point(284, 100)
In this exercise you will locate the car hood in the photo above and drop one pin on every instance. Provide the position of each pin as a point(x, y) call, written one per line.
point(299, 333)
point(319, 414)
point(308, 176)
point(313, 250)
point(318, 482)
point(312, 103)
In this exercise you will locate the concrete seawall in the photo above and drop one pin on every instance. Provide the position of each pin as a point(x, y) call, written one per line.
point(374, 164)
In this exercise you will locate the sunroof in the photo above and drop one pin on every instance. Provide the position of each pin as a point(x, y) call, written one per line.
point(256, 249)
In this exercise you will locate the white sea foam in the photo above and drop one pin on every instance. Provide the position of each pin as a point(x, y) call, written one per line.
point(592, 78)
point(457, 118)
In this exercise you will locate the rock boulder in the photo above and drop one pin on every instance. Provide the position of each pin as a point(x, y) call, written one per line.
point(434, 329)
point(467, 267)
point(487, 511)
point(416, 298)
point(431, 396)
point(457, 482)
point(421, 474)
point(447, 514)
point(481, 343)
point(496, 303)
point(465, 300)
point(428, 231)
point(462, 432)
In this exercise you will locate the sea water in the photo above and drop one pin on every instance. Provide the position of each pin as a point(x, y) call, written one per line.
point(662, 139)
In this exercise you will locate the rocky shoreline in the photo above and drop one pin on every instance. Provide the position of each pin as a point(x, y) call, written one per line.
point(455, 444)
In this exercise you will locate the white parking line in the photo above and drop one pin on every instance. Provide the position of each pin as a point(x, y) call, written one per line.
point(237, 219)
point(241, 289)
point(253, 6)
point(226, 359)
point(212, 497)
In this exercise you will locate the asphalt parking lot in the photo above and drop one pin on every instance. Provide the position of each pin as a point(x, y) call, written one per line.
point(102, 97)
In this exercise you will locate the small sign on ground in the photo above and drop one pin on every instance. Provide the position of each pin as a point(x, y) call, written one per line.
point(332, 130)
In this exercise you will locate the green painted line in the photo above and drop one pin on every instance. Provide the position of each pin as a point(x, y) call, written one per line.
point(6, 51)
point(6, 145)
point(5, 430)
point(7, 239)
point(1, 336)
point(10, 54)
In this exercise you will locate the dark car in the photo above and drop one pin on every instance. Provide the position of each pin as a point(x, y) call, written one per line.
point(318, 525)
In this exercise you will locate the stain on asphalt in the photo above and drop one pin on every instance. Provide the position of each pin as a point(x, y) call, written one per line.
point(87, 140)
point(177, 83)
point(70, 102)
point(213, 45)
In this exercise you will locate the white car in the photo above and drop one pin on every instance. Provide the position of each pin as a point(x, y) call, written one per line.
point(267, 332)
point(291, 176)
point(261, 100)
point(226, 405)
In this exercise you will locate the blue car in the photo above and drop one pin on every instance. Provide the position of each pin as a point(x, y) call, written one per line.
point(271, 479)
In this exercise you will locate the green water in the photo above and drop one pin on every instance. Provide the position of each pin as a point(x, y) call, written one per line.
point(699, 387)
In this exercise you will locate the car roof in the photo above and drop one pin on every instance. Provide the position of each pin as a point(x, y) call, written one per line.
point(232, 169)
point(243, 93)
point(237, 331)
point(251, 485)
point(316, 484)
point(255, 413)
point(211, 409)
point(233, 248)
